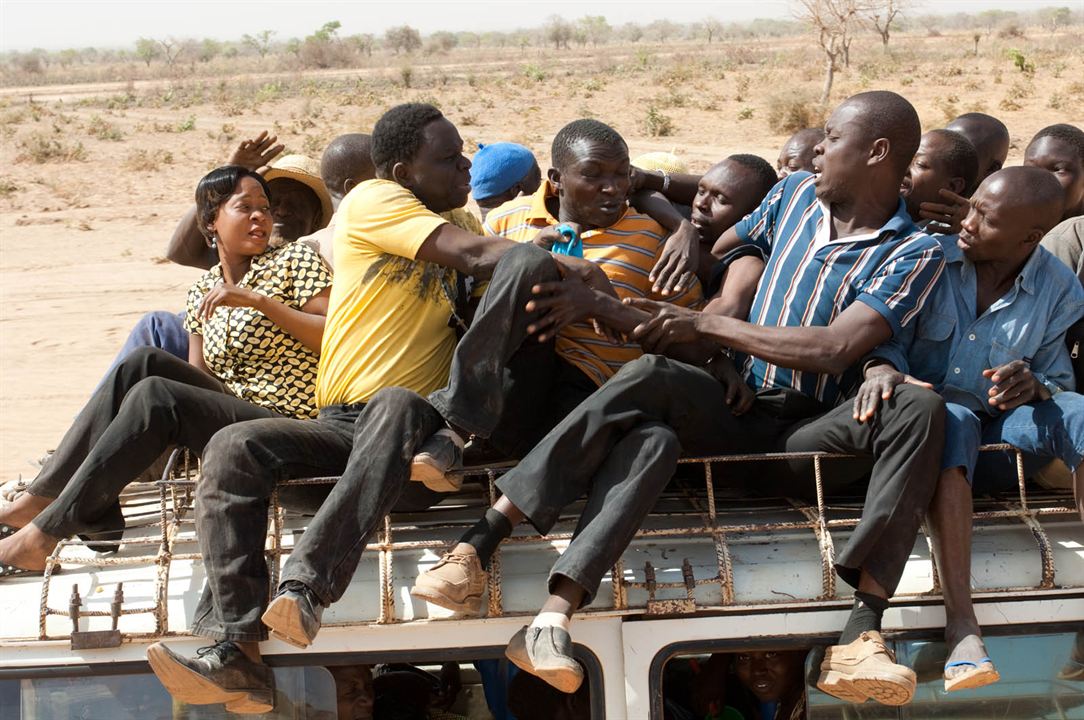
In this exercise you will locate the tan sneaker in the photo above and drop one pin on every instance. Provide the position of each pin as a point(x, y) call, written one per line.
point(437, 462)
point(866, 668)
point(455, 583)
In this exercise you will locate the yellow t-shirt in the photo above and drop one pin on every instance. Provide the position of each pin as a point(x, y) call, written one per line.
point(387, 321)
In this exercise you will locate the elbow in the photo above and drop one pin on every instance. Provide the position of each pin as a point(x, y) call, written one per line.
point(839, 357)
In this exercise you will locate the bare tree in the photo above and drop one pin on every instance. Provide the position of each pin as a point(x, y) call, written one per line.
point(712, 28)
point(171, 49)
point(260, 42)
point(836, 22)
point(882, 14)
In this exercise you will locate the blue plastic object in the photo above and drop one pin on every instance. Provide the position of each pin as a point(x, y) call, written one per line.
point(572, 245)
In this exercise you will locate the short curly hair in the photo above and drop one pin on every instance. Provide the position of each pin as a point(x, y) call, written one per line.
point(216, 187)
point(763, 172)
point(562, 152)
point(1063, 132)
point(397, 135)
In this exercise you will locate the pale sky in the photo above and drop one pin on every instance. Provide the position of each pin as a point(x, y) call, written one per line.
point(60, 24)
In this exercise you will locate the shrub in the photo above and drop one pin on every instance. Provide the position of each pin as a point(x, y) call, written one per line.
point(1021, 62)
point(656, 124)
point(103, 129)
point(790, 113)
point(42, 148)
point(746, 113)
point(406, 74)
point(534, 72)
point(148, 160)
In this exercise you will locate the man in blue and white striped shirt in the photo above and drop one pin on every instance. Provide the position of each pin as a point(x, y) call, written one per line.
point(846, 269)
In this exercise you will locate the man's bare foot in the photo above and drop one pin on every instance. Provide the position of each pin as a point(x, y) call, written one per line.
point(967, 666)
point(23, 509)
point(28, 548)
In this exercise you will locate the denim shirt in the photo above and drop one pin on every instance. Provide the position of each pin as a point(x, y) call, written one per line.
point(950, 347)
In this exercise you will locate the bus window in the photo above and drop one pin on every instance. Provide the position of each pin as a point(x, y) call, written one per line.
point(1042, 676)
point(757, 684)
point(301, 693)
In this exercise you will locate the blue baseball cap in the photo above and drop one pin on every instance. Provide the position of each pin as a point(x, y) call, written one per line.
point(497, 167)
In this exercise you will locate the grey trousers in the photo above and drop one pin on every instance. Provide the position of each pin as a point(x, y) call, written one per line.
point(620, 448)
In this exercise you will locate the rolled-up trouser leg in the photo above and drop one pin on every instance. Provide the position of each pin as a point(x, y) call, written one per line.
point(155, 414)
point(103, 406)
point(474, 397)
point(241, 466)
point(622, 494)
point(651, 389)
point(905, 441)
point(386, 435)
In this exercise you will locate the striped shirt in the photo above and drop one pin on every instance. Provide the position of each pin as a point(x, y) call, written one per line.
point(626, 251)
point(810, 279)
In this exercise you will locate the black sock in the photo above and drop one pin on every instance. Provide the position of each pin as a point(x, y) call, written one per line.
point(487, 534)
point(865, 616)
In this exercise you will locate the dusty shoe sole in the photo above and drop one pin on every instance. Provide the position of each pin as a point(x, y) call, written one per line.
point(562, 677)
point(283, 618)
point(886, 689)
point(470, 606)
point(190, 687)
point(980, 676)
point(434, 478)
point(840, 687)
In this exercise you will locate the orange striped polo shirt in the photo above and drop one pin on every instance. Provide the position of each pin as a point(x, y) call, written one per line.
point(626, 251)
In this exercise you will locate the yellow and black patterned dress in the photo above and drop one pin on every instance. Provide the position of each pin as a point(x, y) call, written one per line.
point(253, 357)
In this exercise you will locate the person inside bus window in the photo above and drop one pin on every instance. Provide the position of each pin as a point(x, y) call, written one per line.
point(847, 268)
point(991, 342)
point(775, 680)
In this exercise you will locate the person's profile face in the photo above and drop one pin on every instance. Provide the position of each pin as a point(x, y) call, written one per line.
point(724, 195)
point(296, 208)
point(440, 172)
point(928, 175)
point(996, 228)
point(594, 187)
point(840, 160)
point(1062, 159)
point(795, 157)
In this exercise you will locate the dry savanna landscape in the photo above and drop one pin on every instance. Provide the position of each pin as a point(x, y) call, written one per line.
point(99, 158)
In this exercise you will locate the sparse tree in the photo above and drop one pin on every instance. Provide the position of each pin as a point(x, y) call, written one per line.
point(208, 50)
point(1055, 18)
point(468, 39)
point(442, 42)
point(171, 50)
point(631, 32)
point(596, 29)
point(364, 43)
point(661, 30)
point(558, 31)
point(147, 50)
point(260, 42)
point(882, 14)
point(976, 37)
point(835, 22)
point(402, 39)
point(712, 28)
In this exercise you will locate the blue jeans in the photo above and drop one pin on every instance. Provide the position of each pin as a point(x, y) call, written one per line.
point(1044, 431)
point(160, 329)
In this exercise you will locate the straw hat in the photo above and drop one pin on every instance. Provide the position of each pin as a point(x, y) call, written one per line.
point(306, 171)
point(660, 161)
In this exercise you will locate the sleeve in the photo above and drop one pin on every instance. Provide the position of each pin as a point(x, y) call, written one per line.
point(195, 296)
point(894, 351)
point(464, 219)
point(387, 218)
point(1051, 364)
point(757, 227)
point(306, 272)
point(902, 285)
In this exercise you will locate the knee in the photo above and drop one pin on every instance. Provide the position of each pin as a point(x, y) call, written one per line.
point(962, 425)
point(646, 368)
point(233, 451)
point(920, 404)
point(393, 400)
point(527, 259)
point(151, 393)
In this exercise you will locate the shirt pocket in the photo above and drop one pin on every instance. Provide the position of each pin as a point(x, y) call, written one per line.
point(935, 327)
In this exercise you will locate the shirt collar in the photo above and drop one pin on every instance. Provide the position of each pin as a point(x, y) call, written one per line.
point(1027, 279)
point(538, 210)
point(899, 225)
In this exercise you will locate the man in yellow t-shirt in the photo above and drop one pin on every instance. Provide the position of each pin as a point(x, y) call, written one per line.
point(388, 342)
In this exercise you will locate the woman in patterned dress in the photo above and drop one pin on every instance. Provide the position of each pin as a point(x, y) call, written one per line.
point(256, 321)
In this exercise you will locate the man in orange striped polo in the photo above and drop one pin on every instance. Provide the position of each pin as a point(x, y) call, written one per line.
point(542, 343)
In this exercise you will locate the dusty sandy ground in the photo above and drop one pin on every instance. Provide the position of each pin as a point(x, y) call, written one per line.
point(82, 241)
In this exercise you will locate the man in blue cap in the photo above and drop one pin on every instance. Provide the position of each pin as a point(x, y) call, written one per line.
point(502, 171)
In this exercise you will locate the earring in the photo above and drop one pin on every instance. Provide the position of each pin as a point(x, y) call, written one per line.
point(214, 242)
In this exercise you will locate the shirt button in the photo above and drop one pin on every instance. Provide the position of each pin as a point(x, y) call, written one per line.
point(971, 336)
point(957, 371)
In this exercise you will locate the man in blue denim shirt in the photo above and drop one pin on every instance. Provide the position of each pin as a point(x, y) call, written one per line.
point(991, 341)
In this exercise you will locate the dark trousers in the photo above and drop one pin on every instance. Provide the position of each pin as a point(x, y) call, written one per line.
point(621, 446)
point(148, 402)
point(369, 445)
point(503, 384)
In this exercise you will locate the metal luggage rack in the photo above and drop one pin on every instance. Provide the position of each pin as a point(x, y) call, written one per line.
point(181, 475)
